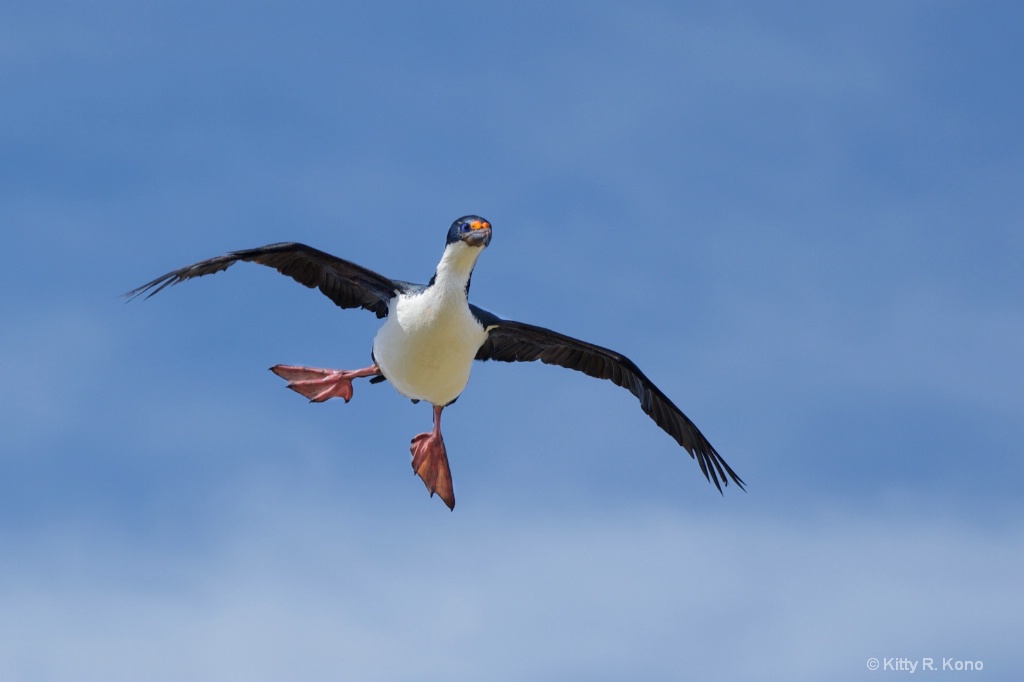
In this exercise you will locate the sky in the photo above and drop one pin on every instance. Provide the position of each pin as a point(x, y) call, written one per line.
point(802, 220)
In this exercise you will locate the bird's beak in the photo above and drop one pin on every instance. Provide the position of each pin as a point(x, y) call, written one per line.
point(480, 235)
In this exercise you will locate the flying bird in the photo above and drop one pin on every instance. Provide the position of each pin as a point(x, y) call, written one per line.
point(432, 334)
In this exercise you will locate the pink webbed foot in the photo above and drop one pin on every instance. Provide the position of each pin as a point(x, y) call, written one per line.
point(320, 385)
point(430, 462)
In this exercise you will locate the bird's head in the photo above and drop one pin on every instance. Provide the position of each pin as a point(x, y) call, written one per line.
point(471, 230)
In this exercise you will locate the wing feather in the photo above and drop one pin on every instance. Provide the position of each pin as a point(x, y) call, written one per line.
point(510, 341)
point(347, 284)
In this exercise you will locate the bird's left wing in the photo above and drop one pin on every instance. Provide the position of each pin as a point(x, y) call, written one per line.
point(510, 341)
point(347, 284)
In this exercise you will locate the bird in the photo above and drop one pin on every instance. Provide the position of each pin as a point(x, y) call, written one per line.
point(431, 336)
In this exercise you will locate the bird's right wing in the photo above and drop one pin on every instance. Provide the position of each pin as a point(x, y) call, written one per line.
point(347, 284)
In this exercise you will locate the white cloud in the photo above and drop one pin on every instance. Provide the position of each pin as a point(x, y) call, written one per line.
point(307, 589)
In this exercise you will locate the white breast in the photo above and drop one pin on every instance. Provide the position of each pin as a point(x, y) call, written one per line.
point(427, 344)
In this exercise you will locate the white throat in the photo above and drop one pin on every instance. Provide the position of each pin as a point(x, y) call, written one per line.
point(456, 266)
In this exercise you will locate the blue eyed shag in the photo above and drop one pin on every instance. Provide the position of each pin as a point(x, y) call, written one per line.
point(432, 334)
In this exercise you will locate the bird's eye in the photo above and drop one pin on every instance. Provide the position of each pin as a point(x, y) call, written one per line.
point(464, 227)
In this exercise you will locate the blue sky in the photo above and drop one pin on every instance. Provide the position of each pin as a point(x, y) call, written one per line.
point(802, 220)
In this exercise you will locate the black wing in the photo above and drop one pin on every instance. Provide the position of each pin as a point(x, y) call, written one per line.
point(510, 341)
point(347, 284)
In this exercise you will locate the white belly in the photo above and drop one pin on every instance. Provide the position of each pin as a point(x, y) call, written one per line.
point(427, 345)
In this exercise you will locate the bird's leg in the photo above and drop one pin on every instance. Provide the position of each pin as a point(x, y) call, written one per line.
point(322, 384)
point(430, 461)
